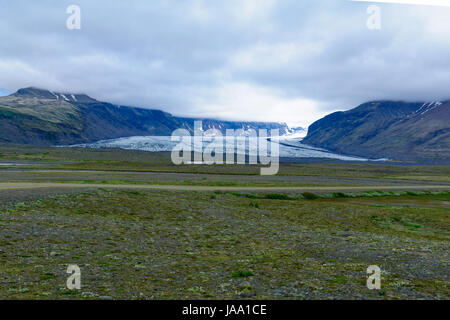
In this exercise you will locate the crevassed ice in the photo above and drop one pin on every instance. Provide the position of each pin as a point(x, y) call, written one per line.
point(289, 148)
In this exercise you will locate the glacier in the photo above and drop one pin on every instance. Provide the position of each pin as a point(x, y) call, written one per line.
point(288, 147)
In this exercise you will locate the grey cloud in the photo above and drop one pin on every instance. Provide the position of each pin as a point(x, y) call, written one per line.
point(189, 57)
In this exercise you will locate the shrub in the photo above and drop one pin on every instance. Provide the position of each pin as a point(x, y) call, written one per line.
point(255, 205)
point(242, 274)
point(310, 195)
point(277, 196)
point(339, 195)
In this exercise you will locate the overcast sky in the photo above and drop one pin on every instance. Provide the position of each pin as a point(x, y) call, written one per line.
point(287, 60)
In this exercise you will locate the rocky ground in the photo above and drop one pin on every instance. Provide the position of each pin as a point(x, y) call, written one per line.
point(151, 244)
point(137, 243)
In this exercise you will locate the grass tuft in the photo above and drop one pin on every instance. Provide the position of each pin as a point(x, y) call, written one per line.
point(242, 274)
point(310, 196)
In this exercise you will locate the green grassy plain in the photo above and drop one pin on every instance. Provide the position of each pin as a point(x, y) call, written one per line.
point(160, 244)
point(172, 245)
point(130, 160)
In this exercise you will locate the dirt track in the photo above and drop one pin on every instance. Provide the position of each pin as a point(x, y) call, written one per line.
point(32, 185)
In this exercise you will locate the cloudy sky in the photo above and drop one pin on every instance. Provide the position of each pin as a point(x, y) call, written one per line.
point(287, 60)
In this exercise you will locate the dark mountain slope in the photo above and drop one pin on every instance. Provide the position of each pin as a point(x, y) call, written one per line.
point(395, 130)
point(42, 117)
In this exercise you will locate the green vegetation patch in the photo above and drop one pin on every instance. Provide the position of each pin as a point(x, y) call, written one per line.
point(154, 244)
point(242, 274)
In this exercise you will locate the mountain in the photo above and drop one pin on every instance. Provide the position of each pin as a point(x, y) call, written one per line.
point(42, 117)
point(387, 129)
point(296, 132)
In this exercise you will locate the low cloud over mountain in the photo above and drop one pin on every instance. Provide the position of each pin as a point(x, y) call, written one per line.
point(43, 117)
point(260, 60)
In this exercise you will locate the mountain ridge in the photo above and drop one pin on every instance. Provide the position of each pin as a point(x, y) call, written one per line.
point(34, 92)
point(398, 130)
point(42, 117)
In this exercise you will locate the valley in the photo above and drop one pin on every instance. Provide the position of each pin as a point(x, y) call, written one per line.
point(141, 228)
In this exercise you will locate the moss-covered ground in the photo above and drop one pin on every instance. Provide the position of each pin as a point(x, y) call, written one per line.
point(134, 244)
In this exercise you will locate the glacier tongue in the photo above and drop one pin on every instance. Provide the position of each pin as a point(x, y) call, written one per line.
point(289, 147)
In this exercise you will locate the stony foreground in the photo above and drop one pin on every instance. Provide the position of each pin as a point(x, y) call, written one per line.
point(132, 244)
